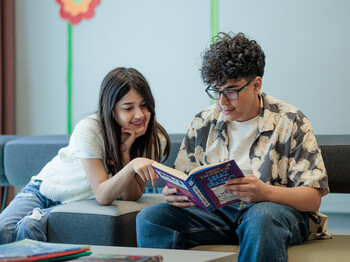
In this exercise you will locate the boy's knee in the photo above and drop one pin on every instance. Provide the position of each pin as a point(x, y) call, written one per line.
point(266, 215)
point(157, 214)
point(148, 214)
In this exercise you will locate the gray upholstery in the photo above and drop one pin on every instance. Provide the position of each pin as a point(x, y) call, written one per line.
point(86, 222)
point(26, 156)
point(336, 154)
point(3, 180)
point(3, 140)
point(89, 223)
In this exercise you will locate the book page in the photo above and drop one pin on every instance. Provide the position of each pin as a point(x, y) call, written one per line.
point(201, 168)
point(170, 170)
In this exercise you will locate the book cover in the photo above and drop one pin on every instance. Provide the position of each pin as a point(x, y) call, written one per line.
point(31, 250)
point(204, 184)
point(119, 258)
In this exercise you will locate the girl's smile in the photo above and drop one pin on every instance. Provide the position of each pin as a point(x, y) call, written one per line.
point(131, 112)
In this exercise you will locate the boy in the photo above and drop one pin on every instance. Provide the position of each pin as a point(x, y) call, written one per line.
point(274, 145)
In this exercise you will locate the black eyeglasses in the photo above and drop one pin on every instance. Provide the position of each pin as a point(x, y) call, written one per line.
point(230, 94)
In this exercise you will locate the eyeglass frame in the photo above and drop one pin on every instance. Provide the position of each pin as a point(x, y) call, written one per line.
point(226, 90)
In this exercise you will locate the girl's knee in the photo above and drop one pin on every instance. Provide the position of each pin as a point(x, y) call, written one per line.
point(6, 233)
point(32, 226)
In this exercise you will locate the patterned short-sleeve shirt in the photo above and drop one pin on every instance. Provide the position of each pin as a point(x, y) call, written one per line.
point(284, 153)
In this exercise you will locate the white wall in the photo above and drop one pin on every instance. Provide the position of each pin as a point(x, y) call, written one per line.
point(306, 43)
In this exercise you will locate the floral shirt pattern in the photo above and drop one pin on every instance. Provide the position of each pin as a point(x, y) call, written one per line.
point(284, 153)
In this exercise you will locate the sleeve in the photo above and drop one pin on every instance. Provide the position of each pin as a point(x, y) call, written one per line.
point(87, 139)
point(186, 160)
point(306, 163)
point(163, 143)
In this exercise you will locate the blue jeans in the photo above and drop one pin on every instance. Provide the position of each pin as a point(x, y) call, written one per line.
point(263, 230)
point(26, 216)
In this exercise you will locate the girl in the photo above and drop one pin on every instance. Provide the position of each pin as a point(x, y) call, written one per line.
point(108, 157)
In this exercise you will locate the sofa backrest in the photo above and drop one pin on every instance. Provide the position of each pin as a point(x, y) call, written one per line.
point(336, 156)
point(25, 156)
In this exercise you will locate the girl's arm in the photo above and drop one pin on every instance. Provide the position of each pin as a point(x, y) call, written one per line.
point(129, 182)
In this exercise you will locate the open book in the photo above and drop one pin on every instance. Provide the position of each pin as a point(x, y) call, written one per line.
point(204, 185)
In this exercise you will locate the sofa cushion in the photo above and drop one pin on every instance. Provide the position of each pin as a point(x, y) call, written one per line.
point(87, 222)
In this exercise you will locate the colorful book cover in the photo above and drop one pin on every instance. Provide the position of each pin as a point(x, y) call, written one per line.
point(31, 250)
point(119, 258)
point(204, 185)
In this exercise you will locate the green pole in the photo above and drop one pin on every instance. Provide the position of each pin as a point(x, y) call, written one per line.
point(214, 18)
point(69, 80)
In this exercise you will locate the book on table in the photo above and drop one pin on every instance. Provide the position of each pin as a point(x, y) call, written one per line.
point(32, 250)
point(204, 185)
point(118, 258)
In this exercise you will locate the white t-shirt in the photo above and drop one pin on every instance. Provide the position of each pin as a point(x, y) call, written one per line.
point(64, 178)
point(241, 136)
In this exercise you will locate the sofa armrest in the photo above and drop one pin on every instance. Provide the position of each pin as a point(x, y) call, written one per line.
point(87, 222)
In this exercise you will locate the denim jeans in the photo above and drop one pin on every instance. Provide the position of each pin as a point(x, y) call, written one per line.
point(26, 216)
point(263, 230)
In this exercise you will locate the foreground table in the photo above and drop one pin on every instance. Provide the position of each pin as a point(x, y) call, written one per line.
point(169, 255)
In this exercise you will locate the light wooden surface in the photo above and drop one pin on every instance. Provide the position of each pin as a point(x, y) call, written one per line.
point(327, 250)
point(169, 255)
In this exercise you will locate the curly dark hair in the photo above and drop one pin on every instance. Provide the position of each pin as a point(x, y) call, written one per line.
point(232, 57)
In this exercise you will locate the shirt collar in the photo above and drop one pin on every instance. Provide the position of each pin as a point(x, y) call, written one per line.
point(266, 123)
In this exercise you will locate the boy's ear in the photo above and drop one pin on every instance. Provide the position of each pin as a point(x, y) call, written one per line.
point(257, 84)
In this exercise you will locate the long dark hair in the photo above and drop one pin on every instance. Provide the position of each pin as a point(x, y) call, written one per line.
point(114, 87)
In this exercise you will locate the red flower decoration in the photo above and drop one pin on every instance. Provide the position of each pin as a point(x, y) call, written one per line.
point(75, 10)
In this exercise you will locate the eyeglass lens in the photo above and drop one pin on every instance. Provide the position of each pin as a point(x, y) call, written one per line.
point(229, 94)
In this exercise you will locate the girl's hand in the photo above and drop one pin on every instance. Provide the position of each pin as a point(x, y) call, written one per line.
point(129, 135)
point(142, 167)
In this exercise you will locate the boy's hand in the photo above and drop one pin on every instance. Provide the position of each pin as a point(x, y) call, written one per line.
point(173, 198)
point(249, 188)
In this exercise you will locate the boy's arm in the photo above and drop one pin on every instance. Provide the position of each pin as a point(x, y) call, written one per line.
point(251, 189)
point(306, 172)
